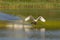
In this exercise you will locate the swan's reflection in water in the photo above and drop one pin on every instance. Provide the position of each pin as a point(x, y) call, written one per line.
point(31, 35)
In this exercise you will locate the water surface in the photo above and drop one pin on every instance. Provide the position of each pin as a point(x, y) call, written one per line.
point(10, 34)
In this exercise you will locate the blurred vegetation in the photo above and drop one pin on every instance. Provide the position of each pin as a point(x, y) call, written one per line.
point(49, 9)
point(46, 9)
point(3, 24)
point(31, 0)
point(49, 25)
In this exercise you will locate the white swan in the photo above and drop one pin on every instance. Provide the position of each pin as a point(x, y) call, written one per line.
point(39, 18)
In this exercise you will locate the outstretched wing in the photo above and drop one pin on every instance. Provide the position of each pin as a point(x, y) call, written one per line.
point(42, 19)
point(26, 19)
point(37, 19)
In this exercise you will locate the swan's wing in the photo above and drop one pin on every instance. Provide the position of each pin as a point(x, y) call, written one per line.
point(37, 19)
point(26, 19)
point(42, 19)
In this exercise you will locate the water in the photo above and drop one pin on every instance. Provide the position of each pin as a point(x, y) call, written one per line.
point(4, 16)
point(10, 34)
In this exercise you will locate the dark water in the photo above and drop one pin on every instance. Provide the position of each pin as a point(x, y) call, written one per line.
point(30, 35)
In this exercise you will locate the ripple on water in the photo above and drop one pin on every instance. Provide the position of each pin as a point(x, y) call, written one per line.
point(32, 35)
